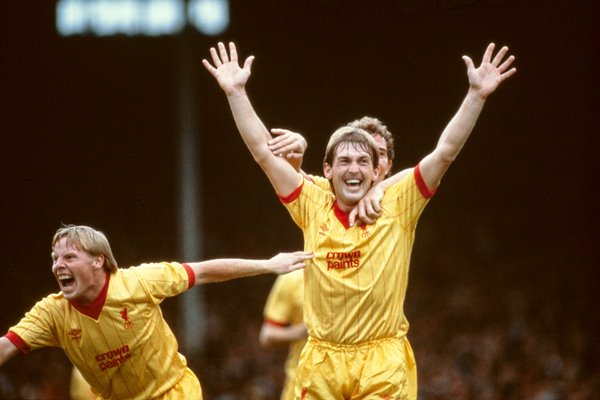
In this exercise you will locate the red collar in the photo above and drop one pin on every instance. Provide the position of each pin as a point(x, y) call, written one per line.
point(93, 309)
point(341, 215)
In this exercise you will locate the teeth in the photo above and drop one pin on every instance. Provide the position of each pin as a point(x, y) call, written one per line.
point(353, 182)
point(64, 276)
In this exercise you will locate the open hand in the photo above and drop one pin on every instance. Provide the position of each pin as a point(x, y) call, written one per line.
point(486, 78)
point(226, 69)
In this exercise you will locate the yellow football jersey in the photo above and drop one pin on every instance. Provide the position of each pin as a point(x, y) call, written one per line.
point(356, 283)
point(121, 344)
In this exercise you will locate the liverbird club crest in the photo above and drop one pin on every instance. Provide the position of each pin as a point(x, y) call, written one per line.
point(128, 323)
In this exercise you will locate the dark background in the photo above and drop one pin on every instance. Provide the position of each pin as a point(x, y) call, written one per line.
point(90, 128)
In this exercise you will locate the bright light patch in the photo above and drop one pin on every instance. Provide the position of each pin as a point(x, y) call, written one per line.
point(110, 17)
point(71, 17)
point(210, 17)
point(164, 17)
point(120, 17)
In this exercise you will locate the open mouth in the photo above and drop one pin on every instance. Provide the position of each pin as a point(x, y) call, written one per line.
point(352, 183)
point(66, 280)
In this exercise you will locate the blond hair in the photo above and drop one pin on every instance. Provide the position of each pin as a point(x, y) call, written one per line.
point(90, 240)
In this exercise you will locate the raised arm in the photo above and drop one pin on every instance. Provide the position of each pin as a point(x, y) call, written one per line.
point(7, 350)
point(483, 81)
point(232, 79)
point(224, 269)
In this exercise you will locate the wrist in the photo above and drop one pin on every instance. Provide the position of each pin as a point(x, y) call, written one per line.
point(476, 94)
point(236, 91)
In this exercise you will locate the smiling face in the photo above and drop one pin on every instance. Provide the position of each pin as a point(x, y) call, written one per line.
point(351, 173)
point(79, 274)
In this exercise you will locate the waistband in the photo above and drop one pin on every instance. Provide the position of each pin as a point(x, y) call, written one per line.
point(354, 346)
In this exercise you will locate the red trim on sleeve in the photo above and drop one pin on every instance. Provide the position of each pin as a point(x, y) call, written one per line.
point(191, 275)
point(276, 323)
point(421, 184)
point(18, 342)
point(292, 196)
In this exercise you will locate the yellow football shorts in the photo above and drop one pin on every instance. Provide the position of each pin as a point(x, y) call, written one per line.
point(187, 388)
point(378, 369)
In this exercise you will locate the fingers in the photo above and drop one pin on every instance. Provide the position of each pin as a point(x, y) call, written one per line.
point(287, 142)
point(232, 52)
point(248, 63)
point(352, 216)
point(487, 56)
point(215, 57)
point(223, 53)
point(298, 259)
point(369, 214)
point(499, 56)
point(304, 255)
point(504, 66)
point(292, 155)
point(508, 73)
point(468, 62)
point(209, 67)
point(280, 131)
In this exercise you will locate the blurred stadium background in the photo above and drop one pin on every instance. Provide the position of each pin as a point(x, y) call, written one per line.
point(503, 299)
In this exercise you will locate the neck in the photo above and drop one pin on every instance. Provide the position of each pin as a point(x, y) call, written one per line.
point(92, 292)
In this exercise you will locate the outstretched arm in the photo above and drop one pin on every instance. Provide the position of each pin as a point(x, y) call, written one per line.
point(7, 350)
point(483, 81)
point(232, 79)
point(224, 269)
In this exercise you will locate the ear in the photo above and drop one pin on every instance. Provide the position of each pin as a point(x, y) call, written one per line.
point(98, 261)
point(376, 172)
point(388, 169)
point(327, 170)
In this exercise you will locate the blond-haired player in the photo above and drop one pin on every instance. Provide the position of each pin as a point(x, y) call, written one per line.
point(109, 322)
point(356, 283)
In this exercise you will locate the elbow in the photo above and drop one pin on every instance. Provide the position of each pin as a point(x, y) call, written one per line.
point(446, 156)
point(265, 340)
point(262, 158)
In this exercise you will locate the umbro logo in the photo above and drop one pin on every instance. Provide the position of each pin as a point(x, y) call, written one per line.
point(324, 228)
point(74, 334)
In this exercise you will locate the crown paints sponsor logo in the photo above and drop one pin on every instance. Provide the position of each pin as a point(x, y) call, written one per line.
point(343, 259)
point(113, 358)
